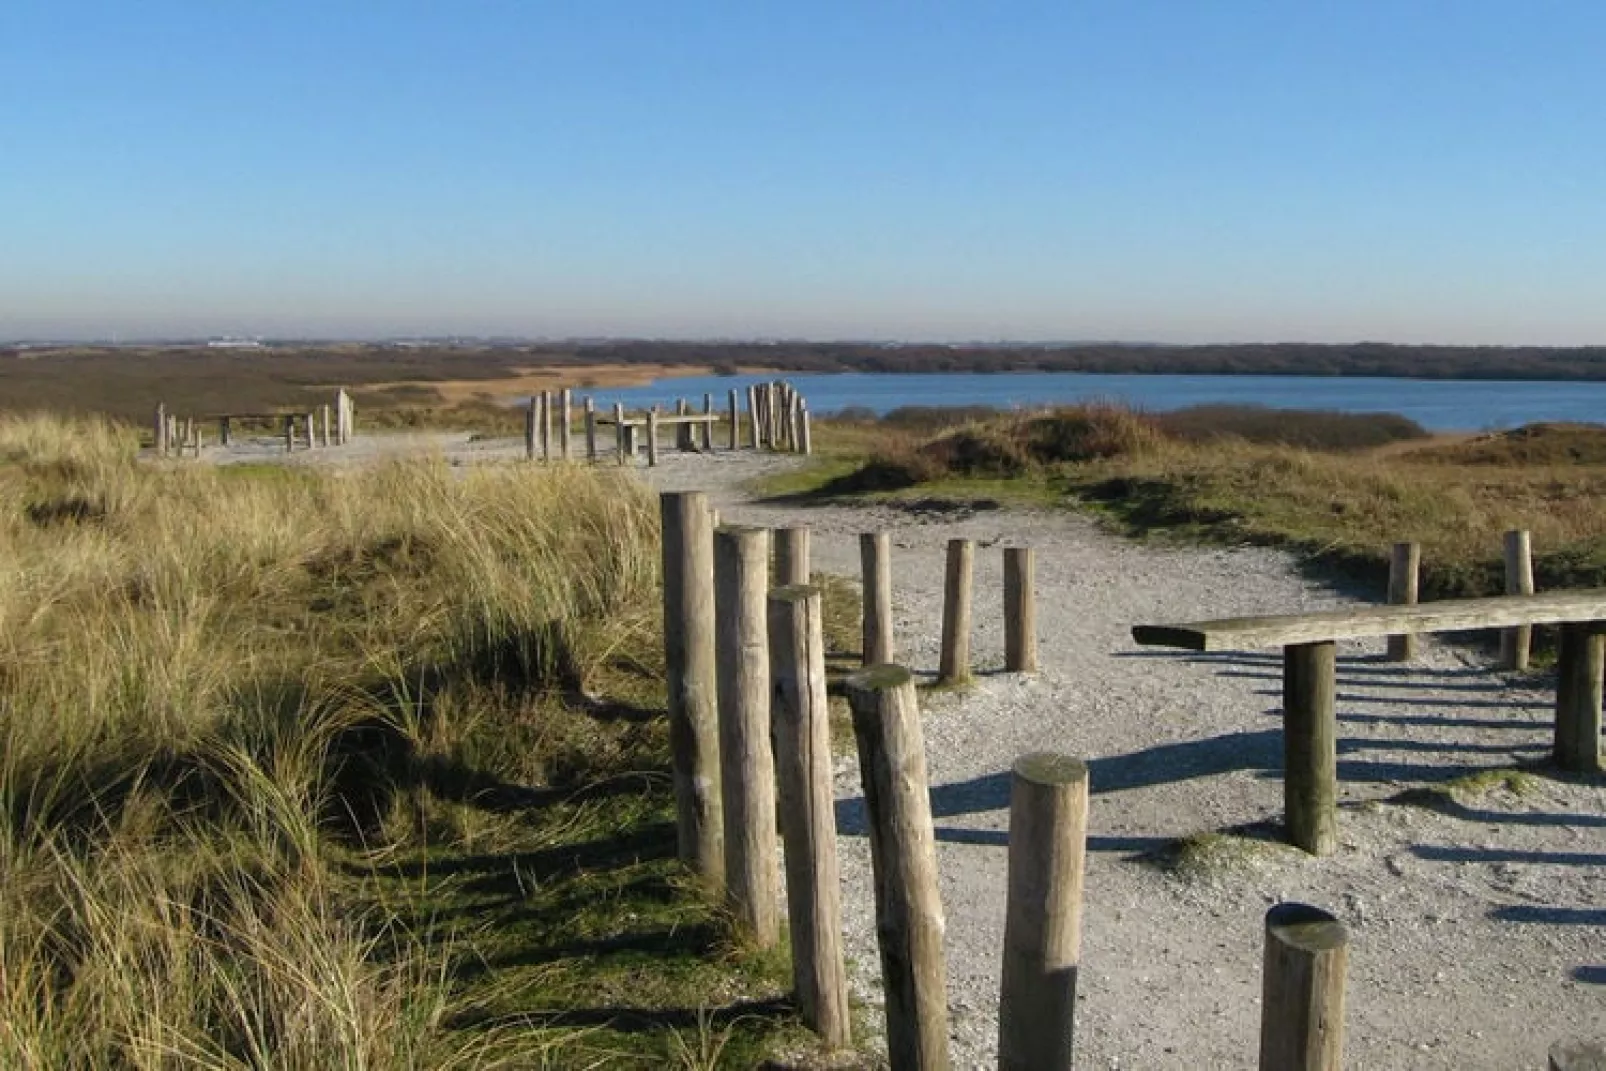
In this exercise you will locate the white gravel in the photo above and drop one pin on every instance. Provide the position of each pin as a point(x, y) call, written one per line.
point(1478, 937)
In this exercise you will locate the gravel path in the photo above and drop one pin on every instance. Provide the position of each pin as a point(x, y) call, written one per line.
point(1478, 931)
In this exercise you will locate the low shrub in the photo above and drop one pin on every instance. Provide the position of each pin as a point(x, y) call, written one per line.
point(1310, 429)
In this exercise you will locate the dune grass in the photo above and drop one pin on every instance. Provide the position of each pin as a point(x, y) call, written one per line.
point(313, 770)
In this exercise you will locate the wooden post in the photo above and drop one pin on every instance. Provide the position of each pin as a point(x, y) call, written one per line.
point(746, 763)
point(1515, 643)
point(801, 718)
point(1404, 564)
point(1576, 1054)
point(688, 564)
point(806, 443)
point(546, 425)
point(531, 419)
point(791, 556)
point(1043, 913)
point(683, 436)
point(954, 664)
point(1580, 659)
point(903, 857)
point(619, 431)
point(289, 434)
point(591, 428)
point(1020, 611)
point(875, 557)
point(736, 420)
point(324, 428)
point(652, 436)
point(1310, 746)
point(1302, 990)
point(159, 439)
point(752, 416)
point(565, 423)
point(707, 438)
point(342, 417)
point(312, 443)
point(225, 430)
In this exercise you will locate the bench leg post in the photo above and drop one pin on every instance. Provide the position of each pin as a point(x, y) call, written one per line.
point(1580, 658)
point(1310, 746)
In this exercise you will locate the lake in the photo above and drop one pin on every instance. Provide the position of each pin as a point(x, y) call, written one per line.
point(1436, 404)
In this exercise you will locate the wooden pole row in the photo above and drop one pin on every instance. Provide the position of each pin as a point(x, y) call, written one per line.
point(1405, 565)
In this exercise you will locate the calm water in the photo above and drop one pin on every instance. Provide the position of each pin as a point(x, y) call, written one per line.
point(1440, 405)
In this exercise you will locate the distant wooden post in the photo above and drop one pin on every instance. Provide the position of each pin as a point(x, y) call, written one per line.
point(566, 424)
point(652, 436)
point(707, 438)
point(289, 434)
point(619, 432)
point(1404, 565)
point(324, 428)
point(736, 420)
point(903, 856)
point(312, 443)
point(1580, 660)
point(801, 717)
point(683, 431)
point(875, 558)
point(342, 417)
point(689, 657)
point(1576, 1054)
point(1043, 913)
point(159, 439)
point(546, 425)
point(173, 441)
point(806, 442)
point(532, 418)
point(225, 429)
point(791, 556)
point(591, 428)
point(1515, 643)
point(1020, 611)
point(746, 762)
point(752, 416)
point(1302, 990)
point(1310, 746)
point(954, 665)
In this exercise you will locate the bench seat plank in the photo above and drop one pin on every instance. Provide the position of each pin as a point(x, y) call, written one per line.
point(1452, 615)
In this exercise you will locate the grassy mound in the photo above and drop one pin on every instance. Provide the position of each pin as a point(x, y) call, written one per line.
point(310, 770)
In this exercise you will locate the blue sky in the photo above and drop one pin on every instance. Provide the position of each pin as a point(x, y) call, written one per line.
point(1193, 170)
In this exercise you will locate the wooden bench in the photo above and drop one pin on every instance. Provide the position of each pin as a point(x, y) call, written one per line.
point(1310, 724)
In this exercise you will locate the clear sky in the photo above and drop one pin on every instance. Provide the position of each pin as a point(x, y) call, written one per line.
point(1191, 170)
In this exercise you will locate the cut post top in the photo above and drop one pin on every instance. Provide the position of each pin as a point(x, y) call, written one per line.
point(878, 678)
point(1304, 927)
point(1050, 768)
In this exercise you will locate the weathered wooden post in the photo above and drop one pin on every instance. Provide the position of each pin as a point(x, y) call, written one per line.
point(312, 443)
point(752, 416)
point(591, 428)
point(1404, 565)
point(791, 556)
point(736, 420)
point(806, 441)
point(1515, 643)
point(619, 432)
point(225, 429)
point(531, 419)
point(1302, 990)
point(903, 856)
point(1580, 660)
point(707, 438)
point(746, 763)
point(565, 423)
point(954, 664)
point(689, 657)
point(1043, 916)
point(683, 430)
point(324, 428)
point(342, 417)
point(546, 425)
point(1020, 611)
point(1310, 746)
point(159, 439)
point(875, 558)
point(801, 718)
point(289, 434)
point(172, 432)
point(652, 436)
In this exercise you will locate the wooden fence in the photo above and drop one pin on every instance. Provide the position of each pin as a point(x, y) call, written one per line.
point(763, 664)
point(176, 436)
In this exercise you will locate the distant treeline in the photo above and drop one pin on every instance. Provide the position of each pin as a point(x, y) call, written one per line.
point(127, 381)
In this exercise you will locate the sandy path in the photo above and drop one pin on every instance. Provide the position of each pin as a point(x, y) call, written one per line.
point(1478, 937)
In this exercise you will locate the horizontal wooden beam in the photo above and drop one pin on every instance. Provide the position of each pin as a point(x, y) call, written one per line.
point(665, 419)
point(1449, 615)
